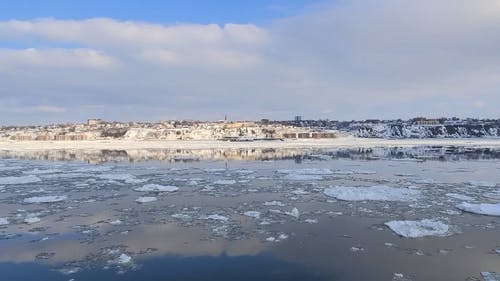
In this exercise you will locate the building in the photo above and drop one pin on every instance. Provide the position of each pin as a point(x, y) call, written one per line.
point(426, 122)
point(93, 122)
point(297, 118)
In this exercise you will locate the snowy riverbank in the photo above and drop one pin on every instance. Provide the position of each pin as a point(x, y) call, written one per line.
point(209, 144)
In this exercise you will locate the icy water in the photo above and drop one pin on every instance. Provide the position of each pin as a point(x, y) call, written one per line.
point(424, 213)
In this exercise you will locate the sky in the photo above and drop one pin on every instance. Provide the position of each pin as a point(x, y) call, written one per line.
point(66, 61)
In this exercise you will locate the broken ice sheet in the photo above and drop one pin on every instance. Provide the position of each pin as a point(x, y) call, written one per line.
point(481, 209)
point(45, 199)
point(421, 228)
point(156, 188)
point(381, 193)
point(19, 180)
point(146, 199)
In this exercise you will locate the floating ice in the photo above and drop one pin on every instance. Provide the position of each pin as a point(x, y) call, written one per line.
point(481, 209)
point(19, 180)
point(146, 199)
point(383, 193)
point(252, 214)
point(414, 229)
point(157, 188)
point(364, 172)
point(300, 191)
point(41, 171)
point(4, 221)
point(45, 199)
point(217, 218)
point(300, 177)
point(307, 171)
point(459, 196)
point(127, 178)
point(123, 259)
point(224, 182)
point(491, 276)
point(31, 218)
point(482, 183)
point(341, 172)
point(116, 222)
point(294, 213)
point(311, 220)
point(274, 203)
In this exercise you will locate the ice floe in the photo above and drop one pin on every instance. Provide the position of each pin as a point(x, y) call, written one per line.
point(19, 180)
point(294, 213)
point(45, 199)
point(31, 219)
point(127, 178)
point(382, 193)
point(146, 199)
point(491, 276)
point(4, 221)
point(217, 217)
point(306, 171)
point(156, 188)
point(224, 182)
point(459, 196)
point(481, 209)
point(274, 203)
point(252, 214)
point(421, 228)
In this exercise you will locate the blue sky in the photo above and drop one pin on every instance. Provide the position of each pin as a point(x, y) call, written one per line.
point(158, 11)
point(66, 61)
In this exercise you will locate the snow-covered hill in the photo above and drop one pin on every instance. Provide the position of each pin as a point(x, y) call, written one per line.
point(384, 130)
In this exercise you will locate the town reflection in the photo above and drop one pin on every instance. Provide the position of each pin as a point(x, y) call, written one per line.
point(441, 153)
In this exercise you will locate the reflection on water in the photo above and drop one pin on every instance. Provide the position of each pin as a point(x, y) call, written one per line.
point(442, 153)
point(223, 267)
point(252, 219)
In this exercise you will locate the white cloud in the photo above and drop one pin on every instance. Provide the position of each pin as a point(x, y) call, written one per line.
point(346, 59)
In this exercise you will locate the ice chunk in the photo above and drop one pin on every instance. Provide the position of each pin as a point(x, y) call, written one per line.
point(294, 213)
point(252, 214)
point(45, 199)
point(307, 171)
point(274, 203)
point(32, 218)
point(482, 183)
point(4, 221)
point(300, 177)
point(481, 209)
point(364, 172)
point(311, 220)
point(300, 191)
point(224, 182)
point(157, 188)
point(127, 178)
point(146, 199)
point(19, 180)
point(491, 276)
point(116, 222)
point(217, 218)
point(414, 229)
point(459, 196)
point(383, 193)
point(123, 259)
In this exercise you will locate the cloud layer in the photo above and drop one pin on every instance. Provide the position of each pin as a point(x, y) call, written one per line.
point(343, 60)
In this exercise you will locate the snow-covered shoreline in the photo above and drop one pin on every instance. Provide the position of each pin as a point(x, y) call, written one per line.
point(211, 144)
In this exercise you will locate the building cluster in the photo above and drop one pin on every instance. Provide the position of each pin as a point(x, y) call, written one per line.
point(96, 129)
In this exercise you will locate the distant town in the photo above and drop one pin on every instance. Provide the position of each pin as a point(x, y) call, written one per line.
point(298, 128)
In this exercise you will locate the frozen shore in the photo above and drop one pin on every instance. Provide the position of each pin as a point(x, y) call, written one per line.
point(344, 142)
